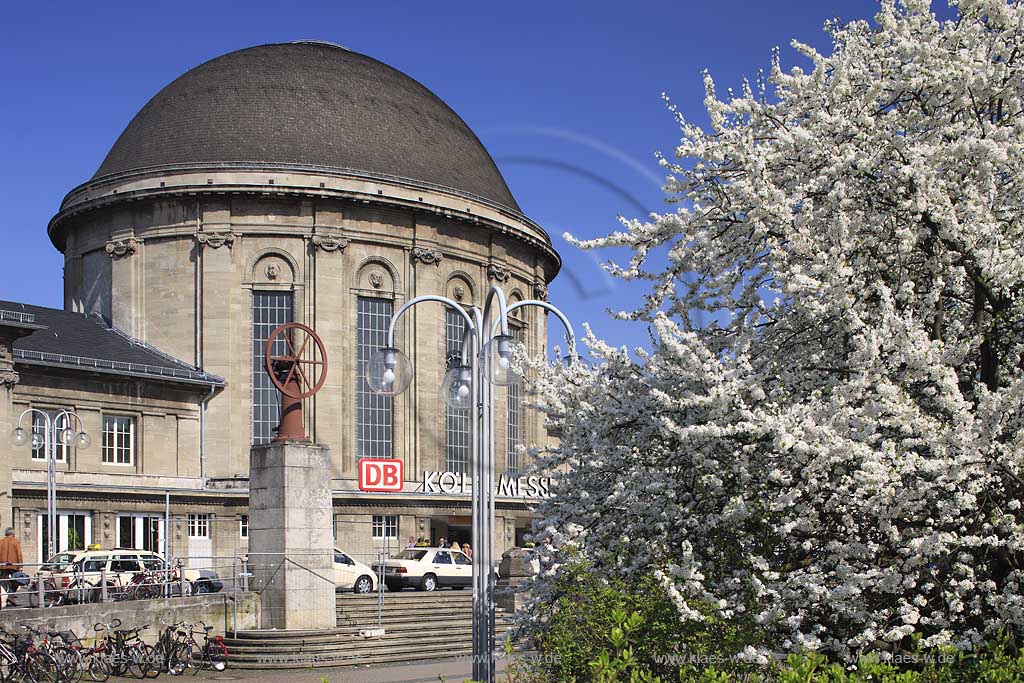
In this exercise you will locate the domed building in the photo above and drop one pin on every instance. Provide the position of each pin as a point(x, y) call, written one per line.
point(290, 182)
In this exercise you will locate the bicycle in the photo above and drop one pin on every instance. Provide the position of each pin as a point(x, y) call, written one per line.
point(24, 662)
point(174, 649)
point(212, 653)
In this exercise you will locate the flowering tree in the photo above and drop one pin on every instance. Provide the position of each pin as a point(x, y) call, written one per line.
point(836, 460)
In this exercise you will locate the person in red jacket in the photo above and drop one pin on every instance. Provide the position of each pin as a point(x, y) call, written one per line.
point(10, 559)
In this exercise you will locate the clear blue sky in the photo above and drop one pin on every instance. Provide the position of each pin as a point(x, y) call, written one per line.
point(566, 96)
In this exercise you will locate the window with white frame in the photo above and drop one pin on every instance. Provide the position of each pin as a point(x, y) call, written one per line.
point(140, 531)
point(456, 420)
point(243, 526)
point(385, 526)
point(118, 440)
point(269, 310)
point(374, 414)
point(57, 426)
point(515, 415)
point(198, 525)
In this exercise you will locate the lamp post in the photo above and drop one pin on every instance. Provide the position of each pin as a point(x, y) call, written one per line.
point(488, 351)
point(68, 436)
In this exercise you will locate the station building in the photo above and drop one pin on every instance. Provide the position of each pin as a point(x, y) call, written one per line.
point(290, 182)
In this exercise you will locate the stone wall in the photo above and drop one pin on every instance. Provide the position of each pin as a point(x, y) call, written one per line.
point(218, 610)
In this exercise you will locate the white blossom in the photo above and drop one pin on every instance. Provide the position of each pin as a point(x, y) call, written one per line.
point(826, 438)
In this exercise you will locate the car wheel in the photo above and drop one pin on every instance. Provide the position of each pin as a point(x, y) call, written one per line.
point(364, 584)
point(429, 583)
point(199, 587)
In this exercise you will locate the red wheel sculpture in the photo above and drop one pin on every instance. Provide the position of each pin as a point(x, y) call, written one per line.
point(286, 371)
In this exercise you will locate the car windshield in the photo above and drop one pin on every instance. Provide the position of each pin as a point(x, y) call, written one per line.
point(410, 555)
point(59, 561)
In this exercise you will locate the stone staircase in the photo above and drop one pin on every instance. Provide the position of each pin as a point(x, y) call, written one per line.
point(418, 627)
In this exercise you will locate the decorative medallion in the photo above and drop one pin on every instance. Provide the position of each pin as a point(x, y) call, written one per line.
point(498, 272)
point(540, 290)
point(425, 255)
point(273, 271)
point(216, 240)
point(9, 378)
point(122, 248)
point(329, 243)
point(376, 279)
point(460, 292)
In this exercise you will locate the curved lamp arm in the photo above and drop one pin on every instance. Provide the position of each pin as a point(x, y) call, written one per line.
point(496, 293)
point(420, 299)
point(569, 334)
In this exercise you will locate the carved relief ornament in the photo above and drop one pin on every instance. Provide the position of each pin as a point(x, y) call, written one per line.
point(425, 255)
point(123, 248)
point(496, 271)
point(329, 243)
point(216, 240)
point(8, 378)
point(540, 290)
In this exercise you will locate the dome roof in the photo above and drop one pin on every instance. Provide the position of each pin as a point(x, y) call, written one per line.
point(308, 104)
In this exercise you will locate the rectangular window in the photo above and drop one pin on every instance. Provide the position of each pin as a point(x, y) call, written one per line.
point(141, 532)
point(269, 310)
point(243, 526)
point(515, 415)
point(198, 525)
point(74, 532)
point(118, 440)
point(60, 451)
point(385, 526)
point(456, 421)
point(374, 413)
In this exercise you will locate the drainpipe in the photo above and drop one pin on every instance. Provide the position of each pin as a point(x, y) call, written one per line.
point(202, 436)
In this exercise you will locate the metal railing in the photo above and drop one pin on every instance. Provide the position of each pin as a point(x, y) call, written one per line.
point(17, 316)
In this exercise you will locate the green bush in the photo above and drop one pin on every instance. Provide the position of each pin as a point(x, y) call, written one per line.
point(578, 620)
point(601, 631)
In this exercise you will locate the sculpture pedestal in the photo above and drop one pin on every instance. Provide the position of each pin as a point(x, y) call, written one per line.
point(290, 534)
point(518, 567)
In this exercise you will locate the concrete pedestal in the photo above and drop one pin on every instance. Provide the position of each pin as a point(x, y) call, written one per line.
point(290, 537)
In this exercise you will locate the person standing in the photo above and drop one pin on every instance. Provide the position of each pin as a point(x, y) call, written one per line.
point(10, 560)
point(455, 545)
point(467, 550)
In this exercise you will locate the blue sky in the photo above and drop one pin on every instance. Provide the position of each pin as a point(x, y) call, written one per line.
point(566, 96)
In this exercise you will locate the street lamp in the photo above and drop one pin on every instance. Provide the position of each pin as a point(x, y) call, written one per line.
point(68, 436)
point(488, 355)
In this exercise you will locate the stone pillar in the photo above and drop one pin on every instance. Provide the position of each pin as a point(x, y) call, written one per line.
point(290, 539)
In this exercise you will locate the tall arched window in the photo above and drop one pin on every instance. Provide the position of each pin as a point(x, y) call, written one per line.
point(269, 310)
point(456, 420)
point(374, 413)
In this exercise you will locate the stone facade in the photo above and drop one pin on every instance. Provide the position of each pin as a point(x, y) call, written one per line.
point(173, 255)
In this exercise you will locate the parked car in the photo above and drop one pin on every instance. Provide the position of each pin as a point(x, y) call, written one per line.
point(87, 568)
point(350, 574)
point(427, 569)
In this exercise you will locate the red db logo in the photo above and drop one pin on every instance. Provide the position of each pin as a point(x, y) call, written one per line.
point(380, 475)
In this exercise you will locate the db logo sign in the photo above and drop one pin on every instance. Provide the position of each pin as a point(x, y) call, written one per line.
point(380, 475)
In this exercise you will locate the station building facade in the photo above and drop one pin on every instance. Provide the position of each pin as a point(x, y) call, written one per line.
point(295, 182)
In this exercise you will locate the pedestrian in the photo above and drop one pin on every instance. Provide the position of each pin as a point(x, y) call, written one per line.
point(422, 543)
point(467, 550)
point(455, 545)
point(10, 560)
point(411, 543)
point(442, 543)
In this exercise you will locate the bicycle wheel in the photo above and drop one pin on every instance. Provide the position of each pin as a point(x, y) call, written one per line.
point(41, 667)
point(69, 663)
point(143, 661)
point(97, 666)
point(180, 659)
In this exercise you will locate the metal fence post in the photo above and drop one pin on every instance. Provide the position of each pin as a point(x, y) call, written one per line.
point(181, 578)
point(103, 586)
point(41, 588)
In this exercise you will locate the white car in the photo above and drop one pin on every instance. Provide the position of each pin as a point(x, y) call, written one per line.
point(428, 569)
point(350, 574)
